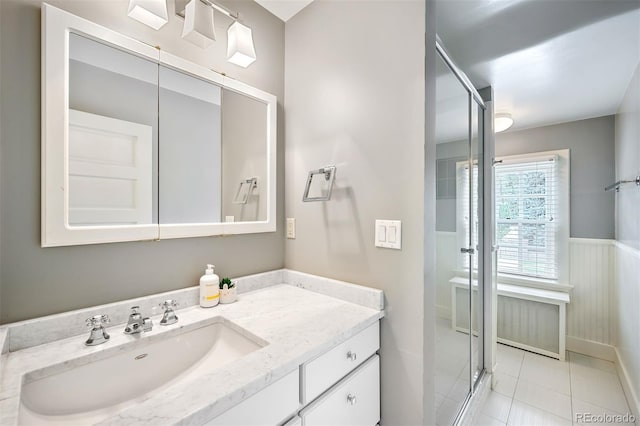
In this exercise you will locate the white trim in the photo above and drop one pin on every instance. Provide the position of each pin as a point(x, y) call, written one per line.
point(592, 241)
point(630, 391)
point(523, 281)
point(627, 248)
point(56, 26)
point(533, 283)
point(591, 348)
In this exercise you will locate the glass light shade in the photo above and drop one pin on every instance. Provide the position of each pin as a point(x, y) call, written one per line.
point(502, 122)
point(240, 50)
point(198, 24)
point(150, 12)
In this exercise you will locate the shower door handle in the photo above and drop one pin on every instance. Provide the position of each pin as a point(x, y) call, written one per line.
point(467, 250)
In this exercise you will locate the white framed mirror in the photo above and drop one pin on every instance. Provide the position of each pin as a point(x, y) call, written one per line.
point(139, 144)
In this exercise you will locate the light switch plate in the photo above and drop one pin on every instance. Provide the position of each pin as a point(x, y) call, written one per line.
point(291, 228)
point(389, 234)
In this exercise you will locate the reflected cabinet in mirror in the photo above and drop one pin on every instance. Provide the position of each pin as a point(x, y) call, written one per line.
point(139, 144)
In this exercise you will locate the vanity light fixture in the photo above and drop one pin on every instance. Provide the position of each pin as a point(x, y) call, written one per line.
point(150, 12)
point(502, 122)
point(198, 24)
point(240, 48)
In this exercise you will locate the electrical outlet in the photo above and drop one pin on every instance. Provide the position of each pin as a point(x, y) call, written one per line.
point(291, 228)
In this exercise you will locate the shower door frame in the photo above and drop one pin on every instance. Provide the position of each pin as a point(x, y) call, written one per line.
point(486, 299)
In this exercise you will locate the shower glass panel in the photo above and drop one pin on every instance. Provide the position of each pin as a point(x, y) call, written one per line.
point(453, 350)
point(459, 226)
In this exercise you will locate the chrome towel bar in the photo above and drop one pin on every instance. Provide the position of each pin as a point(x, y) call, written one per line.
point(619, 183)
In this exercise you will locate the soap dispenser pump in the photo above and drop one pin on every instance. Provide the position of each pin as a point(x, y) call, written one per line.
point(209, 288)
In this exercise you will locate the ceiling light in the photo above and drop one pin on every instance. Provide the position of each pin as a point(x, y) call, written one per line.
point(240, 49)
point(502, 122)
point(150, 12)
point(198, 24)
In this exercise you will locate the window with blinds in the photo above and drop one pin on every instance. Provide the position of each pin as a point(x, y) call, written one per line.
point(526, 207)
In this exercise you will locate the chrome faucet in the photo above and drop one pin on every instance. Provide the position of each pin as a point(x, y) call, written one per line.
point(98, 333)
point(137, 323)
point(169, 316)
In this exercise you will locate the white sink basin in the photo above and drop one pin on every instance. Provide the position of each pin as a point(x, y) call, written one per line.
point(92, 392)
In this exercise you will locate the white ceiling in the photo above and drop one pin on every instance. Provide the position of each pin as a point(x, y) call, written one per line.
point(284, 9)
point(548, 61)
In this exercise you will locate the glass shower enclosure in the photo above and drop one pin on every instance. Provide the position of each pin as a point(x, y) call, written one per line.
point(459, 240)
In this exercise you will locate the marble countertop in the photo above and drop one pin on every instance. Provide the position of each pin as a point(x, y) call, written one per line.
point(298, 325)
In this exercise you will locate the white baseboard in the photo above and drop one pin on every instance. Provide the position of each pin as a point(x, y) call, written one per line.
point(630, 392)
point(443, 312)
point(591, 348)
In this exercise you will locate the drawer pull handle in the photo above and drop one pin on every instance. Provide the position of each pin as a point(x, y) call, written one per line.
point(351, 355)
point(351, 399)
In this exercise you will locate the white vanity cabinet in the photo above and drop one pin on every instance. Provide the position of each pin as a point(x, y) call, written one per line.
point(271, 406)
point(340, 387)
point(354, 401)
point(321, 373)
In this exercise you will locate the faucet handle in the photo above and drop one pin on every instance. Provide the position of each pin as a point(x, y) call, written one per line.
point(169, 304)
point(147, 324)
point(97, 321)
point(169, 317)
point(135, 310)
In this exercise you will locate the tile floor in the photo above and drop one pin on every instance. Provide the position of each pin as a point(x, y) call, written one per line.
point(532, 389)
point(452, 381)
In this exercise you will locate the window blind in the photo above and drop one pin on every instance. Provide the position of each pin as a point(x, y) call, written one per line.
point(527, 206)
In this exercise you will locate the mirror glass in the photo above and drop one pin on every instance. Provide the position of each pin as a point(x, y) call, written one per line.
point(113, 136)
point(151, 144)
point(190, 149)
point(244, 158)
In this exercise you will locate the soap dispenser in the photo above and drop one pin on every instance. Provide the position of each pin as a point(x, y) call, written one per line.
point(209, 288)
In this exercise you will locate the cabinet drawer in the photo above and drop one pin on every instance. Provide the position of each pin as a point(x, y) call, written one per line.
point(271, 406)
point(354, 401)
point(321, 373)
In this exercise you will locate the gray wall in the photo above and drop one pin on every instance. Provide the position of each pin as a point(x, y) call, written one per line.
point(591, 143)
point(429, 220)
point(36, 281)
point(628, 165)
point(355, 98)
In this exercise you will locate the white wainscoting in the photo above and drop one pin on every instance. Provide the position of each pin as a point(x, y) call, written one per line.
point(590, 325)
point(446, 261)
point(627, 321)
